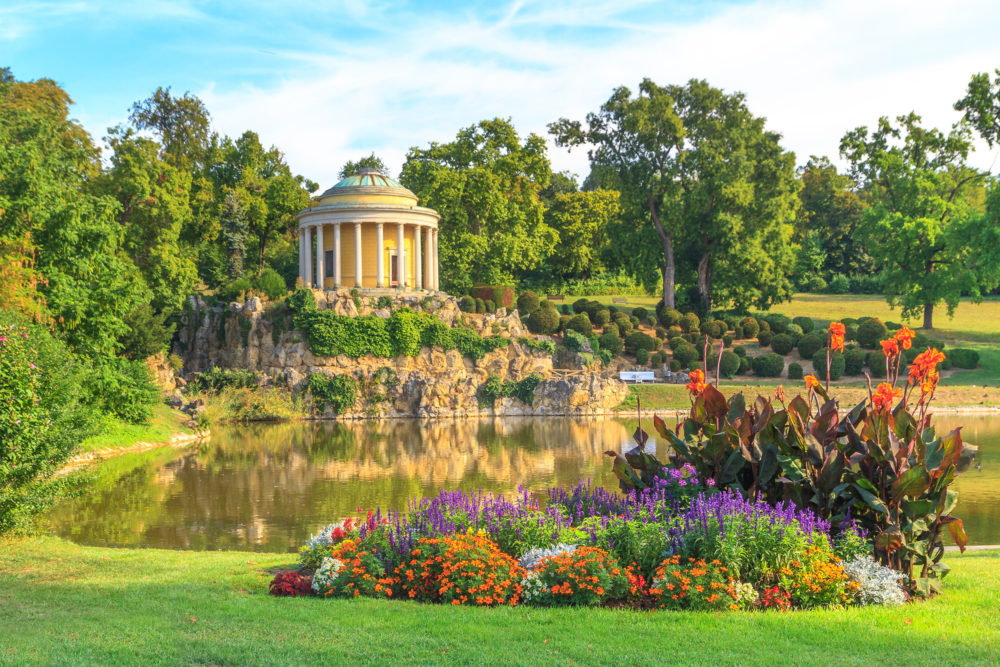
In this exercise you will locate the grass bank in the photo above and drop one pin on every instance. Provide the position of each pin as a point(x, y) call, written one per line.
point(115, 434)
point(60, 602)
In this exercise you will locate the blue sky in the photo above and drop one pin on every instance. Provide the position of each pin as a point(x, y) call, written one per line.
point(331, 81)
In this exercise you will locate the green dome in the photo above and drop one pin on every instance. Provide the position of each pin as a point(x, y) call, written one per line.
point(367, 178)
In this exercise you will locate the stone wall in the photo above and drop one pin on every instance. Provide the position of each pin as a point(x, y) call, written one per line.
point(435, 383)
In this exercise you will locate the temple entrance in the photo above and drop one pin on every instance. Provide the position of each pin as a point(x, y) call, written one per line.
point(393, 268)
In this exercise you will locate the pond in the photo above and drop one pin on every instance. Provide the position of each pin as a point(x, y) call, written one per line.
point(268, 487)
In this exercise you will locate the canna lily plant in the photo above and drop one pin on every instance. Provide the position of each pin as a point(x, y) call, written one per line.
point(880, 463)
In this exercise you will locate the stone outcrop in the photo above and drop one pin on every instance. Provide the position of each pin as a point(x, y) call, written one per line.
point(435, 383)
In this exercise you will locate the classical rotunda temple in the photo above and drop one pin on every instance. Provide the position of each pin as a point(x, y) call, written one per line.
point(368, 232)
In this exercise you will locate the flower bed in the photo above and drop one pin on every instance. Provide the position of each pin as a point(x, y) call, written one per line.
point(780, 505)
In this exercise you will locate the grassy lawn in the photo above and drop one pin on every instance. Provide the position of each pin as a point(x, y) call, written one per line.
point(166, 422)
point(63, 603)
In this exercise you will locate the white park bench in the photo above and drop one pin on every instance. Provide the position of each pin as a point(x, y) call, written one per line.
point(637, 376)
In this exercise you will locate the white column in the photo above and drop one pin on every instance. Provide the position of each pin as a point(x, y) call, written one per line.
point(302, 255)
point(320, 259)
point(357, 254)
point(379, 262)
point(336, 255)
point(418, 278)
point(428, 254)
point(402, 255)
point(309, 266)
point(437, 282)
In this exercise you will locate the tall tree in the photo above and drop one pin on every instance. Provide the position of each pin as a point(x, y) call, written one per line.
point(923, 227)
point(831, 208)
point(181, 124)
point(581, 220)
point(638, 139)
point(486, 187)
point(234, 231)
point(735, 201)
point(352, 168)
point(981, 106)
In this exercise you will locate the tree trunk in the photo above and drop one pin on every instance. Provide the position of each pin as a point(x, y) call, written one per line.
point(705, 283)
point(928, 315)
point(667, 240)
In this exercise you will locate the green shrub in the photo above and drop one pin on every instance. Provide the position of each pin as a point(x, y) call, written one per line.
point(764, 338)
point(660, 331)
point(580, 305)
point(839, 284)
point(782, 344)
point(301, 300)
point(527, 303)
point(674, 342)
point(727, 340)
point(795, 331)
point(523, 389)
point(795, 371)
point(404, 332)
point(270, 283)
point(384, 302)
point(685, 354)
point(709, 328)
point(810, 343)
point(642, 356)
point(675, 366)
point(640, 313)
point(692, 337)
point(148, 333)
point(538, 345)
point(501, 295)
point(544, 320)
point(467, 304)
point(673, 332)
point(854, 361)
point(870, 332)
point(744, 366)
point(851, 331)
point(123, 388)
point(563, 321)
point(216, 379)
point(738, 332)
point(480, 306)
point(624, 324)
point(740, 351)
point(640, 341)
point(750, 327)
point(689, 322)
point(337, 391)
point(42, 420)
point(612, 328)
point(875, 361)
point(668, 317)
point(963, 357)
point(837, 365)
point(234, 291)
point(581, 323)
point(601, 318)
point(491, 306)
point(729, 363)
point(769, 365)
point(778, 322)
point(611, 342)
point(574, 340)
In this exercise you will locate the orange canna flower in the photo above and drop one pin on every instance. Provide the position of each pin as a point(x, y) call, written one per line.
point(837, 333)
point(811, 381)
point(905, 338)
point(697, 381)
point(890, 347)
point(883, 397)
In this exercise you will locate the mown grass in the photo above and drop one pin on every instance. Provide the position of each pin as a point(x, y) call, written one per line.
point(166, 422)
point(64, 603)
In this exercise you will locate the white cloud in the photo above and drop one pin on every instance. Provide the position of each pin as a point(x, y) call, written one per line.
point(814, 69)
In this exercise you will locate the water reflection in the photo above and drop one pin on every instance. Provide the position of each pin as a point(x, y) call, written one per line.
point(268, 487)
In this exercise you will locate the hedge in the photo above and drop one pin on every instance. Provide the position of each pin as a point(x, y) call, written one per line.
point(962, 357)
point(854, 361)
point(501, 295)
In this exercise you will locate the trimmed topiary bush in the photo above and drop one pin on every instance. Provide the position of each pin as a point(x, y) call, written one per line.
point(806, 323)
point(642, 357)
point(740, 351)
point(750, 327)
point(675, 366)
point(491, 306)
point(640, 341)
point(689, 323)
point(764, 338)
point(641, 313)
point(709, 328)
point(467, 304)
point(795, 331)
point(744, 366)
point(729, 363)
point(668, 317)
point(779, 323)
point(837, 365)
point(782, 344)
point(795, 371)
point(875, 361)
point(611, 342)
point(809, 344)
point(685, 354)
point(870, 332)
point(480, 306)
point(612, 328)
point(270, 283)
point(851, 331)
point(769, 365)
point(544, 320)
point(962, 357)
point(738, 332)
point(600, 317)
point(580, 322)
point(527, 303)
point(854, 361)
point(727, 340)
point(661, 331)
point(580, 305)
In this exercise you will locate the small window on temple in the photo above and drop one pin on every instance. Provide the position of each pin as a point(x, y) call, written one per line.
point(328, 263)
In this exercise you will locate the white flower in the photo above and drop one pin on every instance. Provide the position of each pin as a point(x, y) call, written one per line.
point(531, 559)
point(532, 588)
point(879, 584)
point(326, 575)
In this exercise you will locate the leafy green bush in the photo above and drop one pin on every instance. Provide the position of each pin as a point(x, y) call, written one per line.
point(501, 295)
point(727, 340)
point(148, 333)
point(123, 388)
point(779, 323)
point(870, 332)
point(543, 320)
point(675, 366)
point(642, 356)
point(467, 304)
point(709, 328)
point(810, 343)
point(580, 305)
point(623, 323)
point(851, 331)
point(42, 420)
point(538, 345)
point(769, 365)
point(728, 365)
point(216, 379)
point(611, 342)
point(574, 340)
point(612, 328)
point(782, 344)
point(270, 283)
point(685, 354)
point(601, 317)
point(674, 342)
point(480, 306)
point(689, 322)
point(875, 361)
point(795, 371)
point(581, 323)
point(854, 361)
point(839, 284)
point(744, 366)
point(494, 388)
point(750, 327)
point(491, 306)
point(740, 351)
point(795, 331)
point(668, 317)
point(527, 303)
point(234, 291)
point(640, 341)
point(337, 391)
point(384, 302)
point(640, 313)
point(963, 357)
point(764, 338)
point(837, 364)
point(301, 301)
